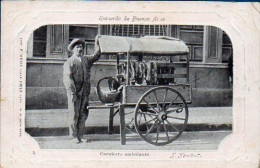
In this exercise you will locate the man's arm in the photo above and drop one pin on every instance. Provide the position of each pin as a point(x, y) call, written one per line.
point(67, 79)
point(97, 52)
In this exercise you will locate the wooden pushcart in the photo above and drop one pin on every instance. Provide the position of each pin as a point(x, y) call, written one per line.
point(161, 112)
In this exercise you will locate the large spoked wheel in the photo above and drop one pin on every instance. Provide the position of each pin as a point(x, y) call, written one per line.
point(161, 115)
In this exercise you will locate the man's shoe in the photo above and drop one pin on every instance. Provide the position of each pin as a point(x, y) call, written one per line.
point(79, 140)
point(75, 140)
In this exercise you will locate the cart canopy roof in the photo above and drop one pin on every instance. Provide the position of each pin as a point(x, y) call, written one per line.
point(161, 45)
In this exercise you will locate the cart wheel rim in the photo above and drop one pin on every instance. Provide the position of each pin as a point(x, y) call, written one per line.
point(161, 122)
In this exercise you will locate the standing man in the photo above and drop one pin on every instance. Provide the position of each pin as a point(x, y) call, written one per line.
point(76, 78)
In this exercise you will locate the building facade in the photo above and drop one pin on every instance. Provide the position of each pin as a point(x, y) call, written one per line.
point(210, 50)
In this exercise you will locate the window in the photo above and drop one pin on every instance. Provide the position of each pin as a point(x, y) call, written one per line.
point(135, 30)
point(226, 47)
point(193, 37)
point(51, 41)
point(85, 32)
point(39, 42)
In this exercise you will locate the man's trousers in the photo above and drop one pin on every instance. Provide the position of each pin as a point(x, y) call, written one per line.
point(78, 114)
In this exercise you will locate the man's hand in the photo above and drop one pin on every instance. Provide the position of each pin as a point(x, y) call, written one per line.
point(97, 47)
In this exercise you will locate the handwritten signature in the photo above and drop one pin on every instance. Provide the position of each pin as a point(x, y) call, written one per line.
point(185, 155)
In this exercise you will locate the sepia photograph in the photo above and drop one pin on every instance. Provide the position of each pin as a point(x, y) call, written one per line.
point(129, 86)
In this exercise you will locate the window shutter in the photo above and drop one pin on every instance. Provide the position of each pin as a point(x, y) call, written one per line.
point(57, 41)
point(212, 45)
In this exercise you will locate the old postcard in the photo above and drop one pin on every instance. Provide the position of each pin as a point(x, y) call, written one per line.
point(130, 84)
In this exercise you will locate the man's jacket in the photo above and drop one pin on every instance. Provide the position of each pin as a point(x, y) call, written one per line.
point(76, 75)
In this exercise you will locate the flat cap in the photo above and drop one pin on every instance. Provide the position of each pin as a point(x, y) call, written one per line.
point(74, 42)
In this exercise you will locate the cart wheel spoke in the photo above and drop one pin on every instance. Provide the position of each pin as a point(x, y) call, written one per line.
point(152, 128)
point(176, 129)
point(145, 113)
point(150, 105)
point(174, 110)
point(160, 113)
point(140, 117)
point(171, 103)
point(164, 98)
point(166, 131)
point(146, 122)
point(176, 118)
point(151, 115)
point(151, 111)
point(155, 95)
point(158, 131)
